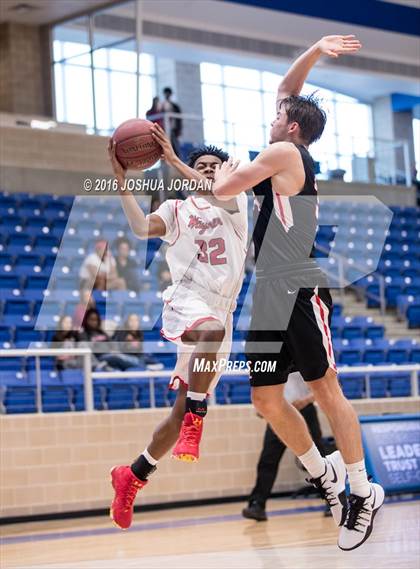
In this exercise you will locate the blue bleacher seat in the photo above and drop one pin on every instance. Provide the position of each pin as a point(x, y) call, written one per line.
point(55, 210)
point(7, 205)
point(352, 331)
point(5, 334)
point(56, 398)
point(18, 307)
point(239, 391)
point(19, 399)
point(374, 355)
point(374, 331)
point(413, 315)
point(45, 244)
point(26, 336)
point(9, 282)
point(11, 222)
point(6, 259)
point(350, 356)
point(353, 385)
point(18, 243)
point(11, 364)
point(99, 396)
point(36, 282)
point(400, 386)
point(415, 354)
point(397, 355)
point(122, 396)
point(378, 386)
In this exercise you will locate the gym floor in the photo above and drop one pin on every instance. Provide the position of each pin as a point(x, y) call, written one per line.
point(296, 536)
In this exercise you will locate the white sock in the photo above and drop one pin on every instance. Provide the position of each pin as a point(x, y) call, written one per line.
point(358, 480)
point(196, 396)
point(149, 457)
point(313, 462)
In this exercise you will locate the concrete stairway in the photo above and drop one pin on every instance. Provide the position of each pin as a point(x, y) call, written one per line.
point(394, 329)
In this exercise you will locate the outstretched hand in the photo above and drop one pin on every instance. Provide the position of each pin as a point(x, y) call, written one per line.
point(334, 46)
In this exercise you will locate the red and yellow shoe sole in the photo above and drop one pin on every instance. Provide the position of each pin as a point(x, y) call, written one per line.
point(185, 457)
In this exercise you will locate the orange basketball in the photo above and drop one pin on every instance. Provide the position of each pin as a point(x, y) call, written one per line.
point(136, 148)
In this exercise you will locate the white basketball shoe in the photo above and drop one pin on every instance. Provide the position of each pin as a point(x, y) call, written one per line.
point(358, 524)
point(332, 486)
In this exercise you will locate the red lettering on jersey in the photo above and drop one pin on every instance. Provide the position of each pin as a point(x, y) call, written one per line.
point(197, 223)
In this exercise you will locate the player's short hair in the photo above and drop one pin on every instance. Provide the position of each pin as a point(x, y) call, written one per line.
point(207, 150)
point(309, 115)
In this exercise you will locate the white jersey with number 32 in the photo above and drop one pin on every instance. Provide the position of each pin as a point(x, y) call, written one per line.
point(207, 244)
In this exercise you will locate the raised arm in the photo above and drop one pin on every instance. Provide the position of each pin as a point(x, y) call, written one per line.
point(171, 158)
point(332, 46)
point(141, 225)
point(272, 160)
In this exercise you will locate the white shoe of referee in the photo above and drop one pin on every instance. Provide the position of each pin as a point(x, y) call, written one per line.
point(332, 486)
point(359, 520)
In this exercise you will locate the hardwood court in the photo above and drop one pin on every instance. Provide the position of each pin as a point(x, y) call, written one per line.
point(296, 536)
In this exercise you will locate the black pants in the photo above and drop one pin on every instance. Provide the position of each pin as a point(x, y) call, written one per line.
point(272, 451)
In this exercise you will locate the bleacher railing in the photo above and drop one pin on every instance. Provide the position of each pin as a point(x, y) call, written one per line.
point(90, 376)
point(37, 353)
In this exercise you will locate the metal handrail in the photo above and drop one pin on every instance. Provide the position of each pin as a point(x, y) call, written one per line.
point(85, 353)
point(90, 375)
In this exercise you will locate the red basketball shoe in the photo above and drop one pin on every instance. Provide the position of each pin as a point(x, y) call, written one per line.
point(126, 486)
point(187, 446)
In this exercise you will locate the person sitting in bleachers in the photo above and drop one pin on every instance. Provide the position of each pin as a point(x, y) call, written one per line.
point(93, 336)
point(127, 268)
point(130, 343)
point(86, 301)
point(66, 337)
point(99, 270)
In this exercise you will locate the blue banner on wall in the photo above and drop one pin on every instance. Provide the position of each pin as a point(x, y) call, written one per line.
point(392, 447)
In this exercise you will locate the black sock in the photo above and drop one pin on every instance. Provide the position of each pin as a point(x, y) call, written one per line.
point(197, 407)
point(141, 468)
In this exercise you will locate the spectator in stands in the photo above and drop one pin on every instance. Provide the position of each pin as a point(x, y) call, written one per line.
point(130, 343)
point(155, 109)
point(94, 336)
point(130, 339)
point(273, 449)
point(86, 301)
point(66, 337)
point(175, 123)
point(99, 270)
point(127, 268)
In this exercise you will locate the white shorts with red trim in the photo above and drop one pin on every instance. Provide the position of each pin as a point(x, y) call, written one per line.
point(184, 310)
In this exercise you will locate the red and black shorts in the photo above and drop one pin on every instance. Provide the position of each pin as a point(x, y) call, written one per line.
point(290, 327)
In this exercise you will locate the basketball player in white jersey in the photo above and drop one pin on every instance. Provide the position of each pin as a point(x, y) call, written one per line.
point(206, 256)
